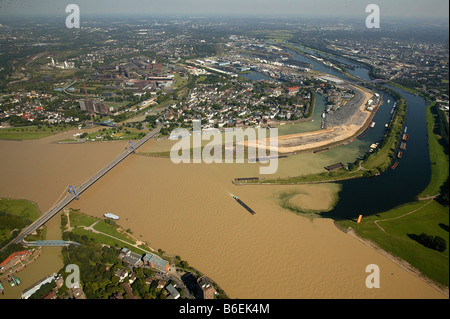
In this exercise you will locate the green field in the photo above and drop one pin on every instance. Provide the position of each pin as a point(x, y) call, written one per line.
point(19, 207)
point(23, 213)
point(113, 230)
point(277, 36)
point(102, 239)
point(403, 222)
point(112, 134)
point(29, 132)
point(324, 177)
point(439, 160)
point(79, 219)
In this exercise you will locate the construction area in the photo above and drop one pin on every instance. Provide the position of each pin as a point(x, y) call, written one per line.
point(342, 124)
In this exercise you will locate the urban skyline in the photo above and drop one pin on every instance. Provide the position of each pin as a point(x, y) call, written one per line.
point(435, 9)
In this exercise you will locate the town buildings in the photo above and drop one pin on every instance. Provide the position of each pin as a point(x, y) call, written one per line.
point(205, 288)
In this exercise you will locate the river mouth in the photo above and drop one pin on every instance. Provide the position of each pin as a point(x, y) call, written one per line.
point(188, 210)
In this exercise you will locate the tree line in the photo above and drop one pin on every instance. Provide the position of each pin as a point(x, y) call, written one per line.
point(434, 242)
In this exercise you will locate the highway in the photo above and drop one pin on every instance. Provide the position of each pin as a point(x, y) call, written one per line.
point(70, 197)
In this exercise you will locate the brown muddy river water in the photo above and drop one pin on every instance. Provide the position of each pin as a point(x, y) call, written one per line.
point(188, 210)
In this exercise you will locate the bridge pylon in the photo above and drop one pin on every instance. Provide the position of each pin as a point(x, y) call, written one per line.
point(72, 190)
point(130, 145)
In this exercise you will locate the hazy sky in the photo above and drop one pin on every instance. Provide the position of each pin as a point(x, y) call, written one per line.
point(312, 8)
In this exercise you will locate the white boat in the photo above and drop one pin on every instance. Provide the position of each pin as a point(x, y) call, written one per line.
point(111, 216)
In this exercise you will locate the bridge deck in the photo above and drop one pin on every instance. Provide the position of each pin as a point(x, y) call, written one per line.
point(40, 243)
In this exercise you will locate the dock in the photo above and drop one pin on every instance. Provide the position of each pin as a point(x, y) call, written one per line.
point(363, 134)
point(348, 142)
point(246, 179)
point(403, 146)
point(264, 159)
point(251, 211)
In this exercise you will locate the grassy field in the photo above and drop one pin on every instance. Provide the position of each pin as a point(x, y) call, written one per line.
point(23, 209)
point(179, 81)
point(102, 239)
point(273, 35)
point(79, 219)
point(325, 177)
point(439, 160)
point(29, 132)
point(399, 225)
point(112, 134)
point(113, 230)
point(19, 207)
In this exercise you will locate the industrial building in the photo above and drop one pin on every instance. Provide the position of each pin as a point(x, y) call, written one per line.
point(292, 90)
point(111, 216)
point(174, 294)
point(205, 288)
point(93, 106)
point(15, 258)
point(28, 292)
point(131, 258)
point(156, 262)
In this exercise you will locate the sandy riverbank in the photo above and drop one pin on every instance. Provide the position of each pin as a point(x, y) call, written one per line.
point(312, 140)
point(401, 263)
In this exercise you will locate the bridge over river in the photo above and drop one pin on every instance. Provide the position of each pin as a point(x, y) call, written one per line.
point(49, 243)
point(78, 191)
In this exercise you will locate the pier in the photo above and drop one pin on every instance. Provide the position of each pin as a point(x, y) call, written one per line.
point(245, 179)
point(321, 150)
